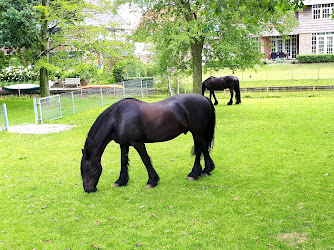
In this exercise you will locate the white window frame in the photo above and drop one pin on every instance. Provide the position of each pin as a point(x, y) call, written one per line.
point(322, 11)
point(323, 43)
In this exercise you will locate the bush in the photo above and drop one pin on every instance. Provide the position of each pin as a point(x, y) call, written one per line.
point(119, 74)
point(18, 74)
point(315, 58)
point(4, 60)
point(83, 71)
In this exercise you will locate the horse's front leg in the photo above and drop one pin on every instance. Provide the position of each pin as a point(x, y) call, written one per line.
point(214, 96)
point(153, 177)
point(124, 175)
point(231, 100)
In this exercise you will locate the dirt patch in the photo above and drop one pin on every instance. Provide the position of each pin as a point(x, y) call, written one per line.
point(39, 129)
point(292, 239)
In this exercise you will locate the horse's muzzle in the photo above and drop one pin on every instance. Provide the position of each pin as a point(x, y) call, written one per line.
point(90, 189)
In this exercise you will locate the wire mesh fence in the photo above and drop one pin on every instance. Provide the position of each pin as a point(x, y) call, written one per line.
point(55, 107)
point(3, 117)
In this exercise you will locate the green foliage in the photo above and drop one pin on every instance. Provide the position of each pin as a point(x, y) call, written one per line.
point(18, 20)
point(132, 67)
point(4, 60)
point(118, 74)
point(83, 71)
point(27, 23)
point(187, 34)
point(315, 58)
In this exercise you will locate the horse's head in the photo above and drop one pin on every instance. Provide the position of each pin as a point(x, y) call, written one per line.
point(91, 170)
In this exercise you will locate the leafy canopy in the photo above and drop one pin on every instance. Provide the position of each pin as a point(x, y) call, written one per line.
point(226, 29)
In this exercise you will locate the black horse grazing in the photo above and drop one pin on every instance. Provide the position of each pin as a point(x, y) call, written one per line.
point(131, 122)
point(221, 83)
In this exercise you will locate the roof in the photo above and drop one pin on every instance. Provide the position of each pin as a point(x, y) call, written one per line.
point(311, 2)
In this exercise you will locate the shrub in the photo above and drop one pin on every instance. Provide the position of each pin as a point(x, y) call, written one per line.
point(315, 58)
point(83, 71)
point(18, 74)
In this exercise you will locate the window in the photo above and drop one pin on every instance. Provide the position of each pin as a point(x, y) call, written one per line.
point(273, 47)
point(322, 11)
point(322, 43)
point(314, 43)
point(330, 45)
point(279, 45)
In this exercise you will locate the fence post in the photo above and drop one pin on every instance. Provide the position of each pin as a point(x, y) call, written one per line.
point(4, 107)
point(60, 110)
point(178, 84)
point(101, 93)
point(141, 88)
point(123, 90)
point(73, 105)
point(40, 111)
point(35, 110)
point(267, 81)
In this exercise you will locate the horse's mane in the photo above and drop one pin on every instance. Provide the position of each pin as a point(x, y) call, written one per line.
point(98, 124)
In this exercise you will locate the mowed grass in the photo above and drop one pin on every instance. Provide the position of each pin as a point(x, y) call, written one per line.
point(272, 187)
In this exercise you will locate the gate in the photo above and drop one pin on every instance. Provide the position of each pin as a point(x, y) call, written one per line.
point(3, 117)
point(47, 108)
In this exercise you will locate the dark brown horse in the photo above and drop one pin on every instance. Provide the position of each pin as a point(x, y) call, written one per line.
point(221, 83)
point(131, 122)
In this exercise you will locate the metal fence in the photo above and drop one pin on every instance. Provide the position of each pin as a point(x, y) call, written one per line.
point(57, 106)
point(3, 117)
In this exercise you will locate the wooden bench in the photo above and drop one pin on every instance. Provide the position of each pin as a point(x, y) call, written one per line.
point(71, 82)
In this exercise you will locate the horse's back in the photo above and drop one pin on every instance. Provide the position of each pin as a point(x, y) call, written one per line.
point(163, 120)
point(220, 83)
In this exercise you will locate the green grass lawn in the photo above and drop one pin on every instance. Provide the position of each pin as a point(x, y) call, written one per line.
point(273, 184)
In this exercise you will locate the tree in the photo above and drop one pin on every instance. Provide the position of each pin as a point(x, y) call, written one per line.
point(56, 27)
point(191, 33)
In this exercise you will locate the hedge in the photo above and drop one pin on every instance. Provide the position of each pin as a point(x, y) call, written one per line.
point(315, 58)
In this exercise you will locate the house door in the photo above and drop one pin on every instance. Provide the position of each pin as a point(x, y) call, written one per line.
point(288, 46)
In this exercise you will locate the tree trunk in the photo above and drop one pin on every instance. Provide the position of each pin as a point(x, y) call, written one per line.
point(44, 73)
point(196, 52)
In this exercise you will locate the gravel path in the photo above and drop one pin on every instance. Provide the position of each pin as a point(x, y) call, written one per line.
point(39, 129)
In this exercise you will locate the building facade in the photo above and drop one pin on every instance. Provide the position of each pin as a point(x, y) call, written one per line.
point(313, 35)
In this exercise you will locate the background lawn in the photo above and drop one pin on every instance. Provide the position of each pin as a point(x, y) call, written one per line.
point(272, 187)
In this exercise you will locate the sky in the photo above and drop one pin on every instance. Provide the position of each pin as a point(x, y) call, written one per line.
point(130, 15)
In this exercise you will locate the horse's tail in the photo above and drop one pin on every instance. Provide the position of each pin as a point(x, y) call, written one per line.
point(204, 86)
point(237, 91)
point(209, 133)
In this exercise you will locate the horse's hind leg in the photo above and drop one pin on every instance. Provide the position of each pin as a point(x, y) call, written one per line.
point(231, 100)
point(197, 168)
point(153, 177)
point(209, 165)
point(124, 175)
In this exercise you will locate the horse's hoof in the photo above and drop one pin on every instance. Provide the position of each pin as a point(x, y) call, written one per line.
point(205, 174)
point(190, 178)
point(116, 185)
point(149, 186)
